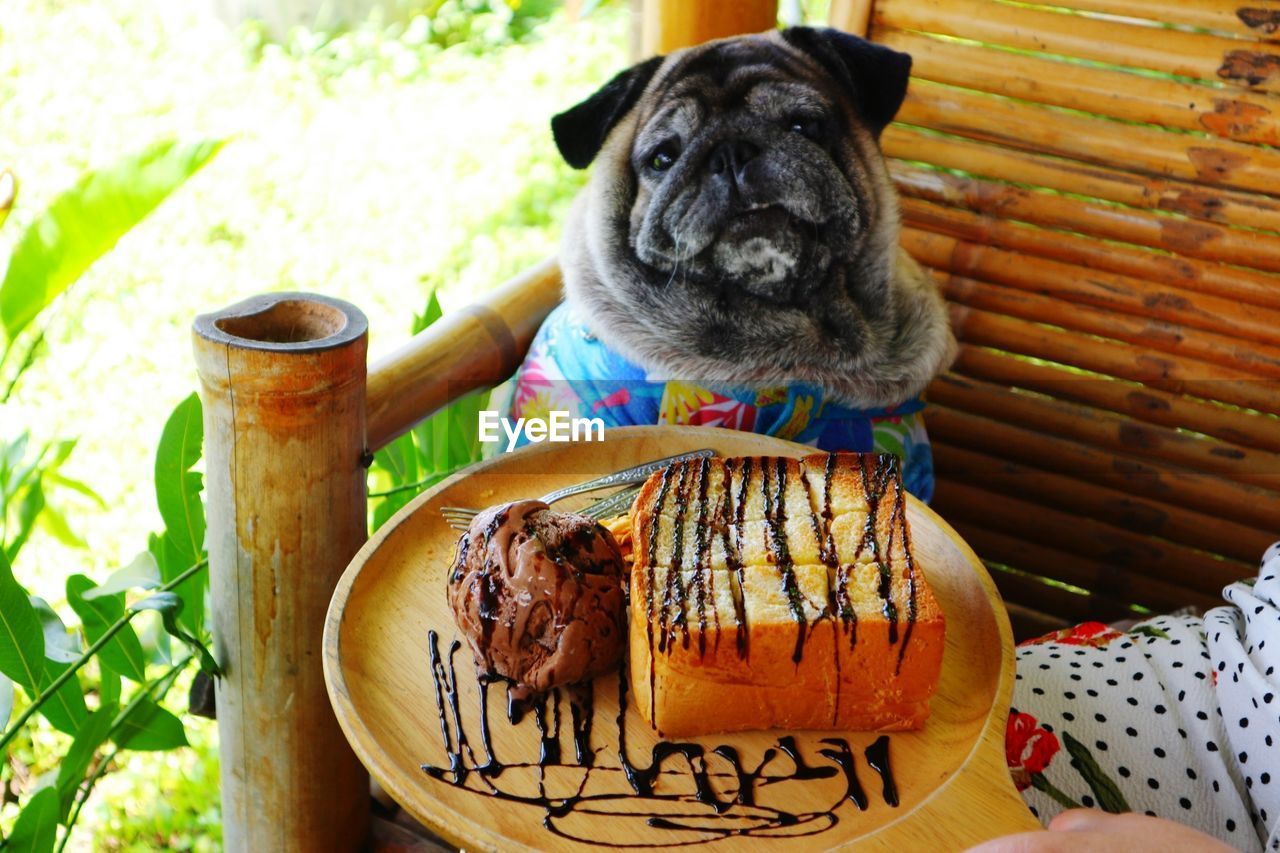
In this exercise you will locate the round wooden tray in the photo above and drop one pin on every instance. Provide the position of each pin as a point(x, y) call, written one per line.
point(389, 613)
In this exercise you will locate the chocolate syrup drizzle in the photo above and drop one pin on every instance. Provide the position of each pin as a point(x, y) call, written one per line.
point(775, 517)
point(723, 803)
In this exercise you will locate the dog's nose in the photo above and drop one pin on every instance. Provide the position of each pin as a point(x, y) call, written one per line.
point(730, 156)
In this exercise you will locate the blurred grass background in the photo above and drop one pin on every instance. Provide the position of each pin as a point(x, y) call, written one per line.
point(377, 166)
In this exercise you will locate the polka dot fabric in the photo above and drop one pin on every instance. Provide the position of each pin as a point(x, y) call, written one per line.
point(1177, 717)
point(1244, 643)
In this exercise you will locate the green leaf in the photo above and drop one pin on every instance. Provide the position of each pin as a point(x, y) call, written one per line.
point(142, 572)
point(65, 710)
point(8, 193)
point(9, 463)
point(1148, 631)
point(432, 313)
point(93, 733)
point(21, 637)
point(123, 652)
point(178, 497)
point(169, 606)
point(400, 460)
point(1105, 791)
point(177, 486)
point(109, 688)
point(6, 700)
point(62, 451)
point(148, 727)
point(53, 522)
point(60, 645)
point(389, 506)
point(78, 486)
point(28, 510)
point(37, 826)
point(86, 221)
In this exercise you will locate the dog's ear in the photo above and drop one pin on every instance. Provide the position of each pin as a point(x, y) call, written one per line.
point(579, 132)
point(874, 76)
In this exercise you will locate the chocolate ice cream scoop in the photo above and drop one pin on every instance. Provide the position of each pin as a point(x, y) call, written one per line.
point(538, 595)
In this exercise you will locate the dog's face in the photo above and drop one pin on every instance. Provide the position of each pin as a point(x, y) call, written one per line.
point(747, 173)
point(740, 223)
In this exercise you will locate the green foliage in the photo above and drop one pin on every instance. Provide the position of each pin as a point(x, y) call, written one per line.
point(92, 734)
point(86, 221)
point(37, 826)
point(484, 23)
point(123, 652)
point(38, 654)
point(23, 503)
point(150, 727)
point(405, 46)
point(431, 451)
point(178, 494)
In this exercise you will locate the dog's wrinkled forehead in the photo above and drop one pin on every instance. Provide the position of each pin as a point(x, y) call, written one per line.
point(748, 75)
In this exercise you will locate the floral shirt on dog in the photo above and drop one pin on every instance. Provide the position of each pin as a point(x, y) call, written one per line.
point(1177, 717)
point(570, 370)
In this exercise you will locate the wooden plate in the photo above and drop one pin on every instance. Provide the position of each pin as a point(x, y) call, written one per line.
point(395, 707)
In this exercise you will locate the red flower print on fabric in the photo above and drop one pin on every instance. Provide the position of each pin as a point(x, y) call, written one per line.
point(1028, 748)
point(1094, 634)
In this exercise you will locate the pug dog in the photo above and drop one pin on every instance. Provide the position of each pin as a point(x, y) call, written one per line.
point(737, 243)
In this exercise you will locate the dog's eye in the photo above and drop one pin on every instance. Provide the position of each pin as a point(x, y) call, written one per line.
point(805, 126)
point(661, 160)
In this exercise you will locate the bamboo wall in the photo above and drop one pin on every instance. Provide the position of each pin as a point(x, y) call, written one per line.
point(1095, 188)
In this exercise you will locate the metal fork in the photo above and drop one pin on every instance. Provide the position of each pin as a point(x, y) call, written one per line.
point(459, 517)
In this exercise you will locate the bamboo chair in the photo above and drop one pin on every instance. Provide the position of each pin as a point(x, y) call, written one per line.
point(1097, 194)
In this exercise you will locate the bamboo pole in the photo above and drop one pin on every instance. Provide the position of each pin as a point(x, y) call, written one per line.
point(283, 383)
point(1038, 596)
point(1079, 497)
point(1212, 496)
point(1233, 283)
point(1208, 241)
point(476, 347)
point(1108, 430)
point(1225, 16)
point(1201, 235)
point(1227, 320)
point(1100, 578)
point(1027, 622)
point(1074, 607)
point(1234, 114)
point(669, 25)
point(1183, 375)
point(852, 16)
point(1161, 336)
point(1084, 537)
point(1134, 399)
point(1202, 160)
point(1205, 57)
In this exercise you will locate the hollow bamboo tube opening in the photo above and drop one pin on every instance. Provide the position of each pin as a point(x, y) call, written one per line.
point(283, 383)
point(288, 321)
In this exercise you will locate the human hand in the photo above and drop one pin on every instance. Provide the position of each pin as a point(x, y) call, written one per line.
point(1099, 832)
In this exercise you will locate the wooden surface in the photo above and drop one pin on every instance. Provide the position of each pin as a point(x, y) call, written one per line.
point(852, 16)
point(1093, 185)
point(282, 380)
point(476, 347)
point(668, 25)
point(954, 785)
